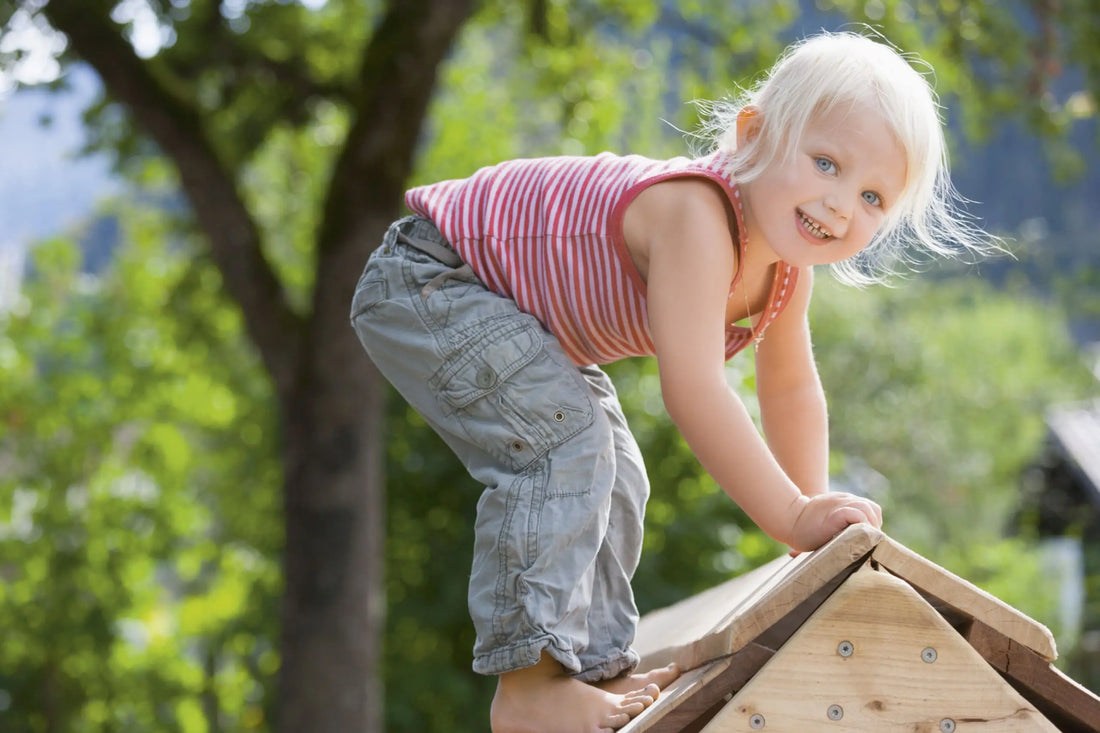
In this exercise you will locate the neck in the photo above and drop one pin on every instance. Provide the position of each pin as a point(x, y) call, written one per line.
point(751, 238)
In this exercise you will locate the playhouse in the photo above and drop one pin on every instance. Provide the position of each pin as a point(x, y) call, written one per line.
point(861, 635)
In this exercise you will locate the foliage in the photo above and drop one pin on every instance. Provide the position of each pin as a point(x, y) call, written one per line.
point(138, 529)
point(945, 369)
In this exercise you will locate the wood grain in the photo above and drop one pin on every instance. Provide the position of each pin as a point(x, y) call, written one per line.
point(725, 618)
point(1069, 705)
point(964, 597)
point(884, 685)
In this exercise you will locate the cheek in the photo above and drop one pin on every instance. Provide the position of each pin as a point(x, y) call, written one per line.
point(872, 225)
point(790, 178)
point(859, 237)
point(867, 235)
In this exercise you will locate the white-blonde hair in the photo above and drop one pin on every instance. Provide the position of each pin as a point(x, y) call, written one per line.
point(830, 70)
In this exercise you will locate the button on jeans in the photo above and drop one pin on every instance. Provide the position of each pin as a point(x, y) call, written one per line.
point(559, 525)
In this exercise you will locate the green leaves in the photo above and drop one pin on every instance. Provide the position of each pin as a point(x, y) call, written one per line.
point(137, 539)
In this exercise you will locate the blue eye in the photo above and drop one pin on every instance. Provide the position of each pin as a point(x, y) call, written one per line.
point(825, 165)
point(872, 198)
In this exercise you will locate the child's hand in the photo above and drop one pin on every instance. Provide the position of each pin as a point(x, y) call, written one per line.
point(826, 515)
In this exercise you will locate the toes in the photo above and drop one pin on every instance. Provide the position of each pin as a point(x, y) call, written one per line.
point(669, 673)
point(645, 687)
point(614, 722)
point(646, 696)
point(651, 691)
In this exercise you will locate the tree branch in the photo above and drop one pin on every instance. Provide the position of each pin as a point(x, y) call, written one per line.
point(396, 81)
point(177, 129)
point(390, 101)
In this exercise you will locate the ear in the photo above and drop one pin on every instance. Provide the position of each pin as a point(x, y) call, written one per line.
point(749, 121)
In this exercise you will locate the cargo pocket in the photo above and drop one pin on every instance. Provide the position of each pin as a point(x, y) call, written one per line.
point(514, 399)
point(368, 293)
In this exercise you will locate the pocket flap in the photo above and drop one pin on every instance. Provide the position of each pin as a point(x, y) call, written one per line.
point(487, 360)
point(368, 294)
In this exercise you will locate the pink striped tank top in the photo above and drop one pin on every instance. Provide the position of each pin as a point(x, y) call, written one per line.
point(547, 232)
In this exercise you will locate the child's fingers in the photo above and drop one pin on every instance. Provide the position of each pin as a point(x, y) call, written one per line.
point(878, 514)
point(846, 515)
point(856, 512)
point(874, 514)
point(871, 511)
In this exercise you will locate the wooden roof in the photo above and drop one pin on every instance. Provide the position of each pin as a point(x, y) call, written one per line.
point(724, 636)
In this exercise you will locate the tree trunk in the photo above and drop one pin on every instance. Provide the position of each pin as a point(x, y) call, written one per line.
point(330, 396)
point(334, 604)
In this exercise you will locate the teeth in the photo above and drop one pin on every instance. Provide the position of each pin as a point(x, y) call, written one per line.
point(813, 227)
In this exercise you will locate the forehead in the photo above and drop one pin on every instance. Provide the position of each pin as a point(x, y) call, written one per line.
point(861, 133)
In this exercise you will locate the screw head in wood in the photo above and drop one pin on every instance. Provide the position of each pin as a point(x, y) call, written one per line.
point(835, 712)
point(947, 725)
point(928, 655)
point(845, 648)
point(756, 722)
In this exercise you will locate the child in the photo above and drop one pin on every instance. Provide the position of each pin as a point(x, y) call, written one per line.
point(490, 308)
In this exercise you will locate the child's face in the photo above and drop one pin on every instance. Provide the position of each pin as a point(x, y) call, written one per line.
point(824, 203)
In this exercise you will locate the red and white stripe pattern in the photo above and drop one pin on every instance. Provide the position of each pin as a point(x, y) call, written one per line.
point(547, 232)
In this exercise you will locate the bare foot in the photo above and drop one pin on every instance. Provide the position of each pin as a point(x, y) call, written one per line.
point(651, 682)
point(543, 699)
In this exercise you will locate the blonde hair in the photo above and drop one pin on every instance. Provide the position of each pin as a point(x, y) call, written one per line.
point(823, 72)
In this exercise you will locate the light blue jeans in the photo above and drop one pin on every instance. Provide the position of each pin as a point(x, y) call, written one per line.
point(559, 525)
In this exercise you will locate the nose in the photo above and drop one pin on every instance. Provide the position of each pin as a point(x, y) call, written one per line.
point(839, 203)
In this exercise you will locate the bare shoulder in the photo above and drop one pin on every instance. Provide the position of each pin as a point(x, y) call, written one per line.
point(679, 202)
point(680, 213)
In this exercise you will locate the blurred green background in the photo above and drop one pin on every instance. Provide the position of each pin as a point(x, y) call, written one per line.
point(142, 439)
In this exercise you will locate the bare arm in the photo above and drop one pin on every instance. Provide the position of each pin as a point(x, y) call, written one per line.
point(690, 265)
point(792, 401)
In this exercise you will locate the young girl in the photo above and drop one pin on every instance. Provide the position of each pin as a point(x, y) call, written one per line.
point(491, 306)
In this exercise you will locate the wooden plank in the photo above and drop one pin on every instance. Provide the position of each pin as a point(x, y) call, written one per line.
point(686, 702)
point(886, 681)
point(677, 701)
point(964, 597)
point(1069, 705)
point(724, 619)
point(686, 622)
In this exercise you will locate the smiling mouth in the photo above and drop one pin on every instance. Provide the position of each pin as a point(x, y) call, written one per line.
point(813, 228)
